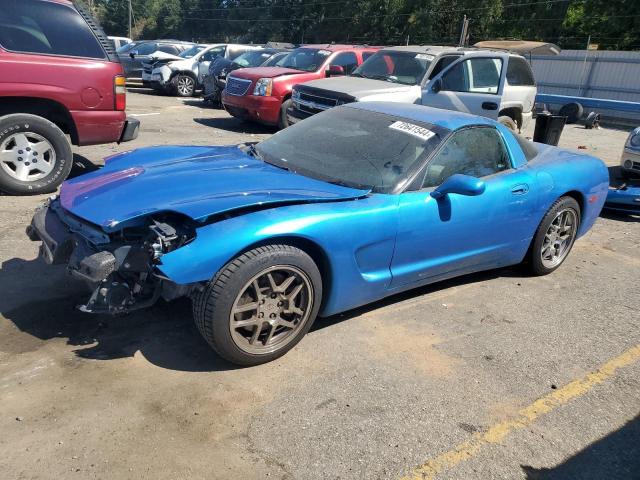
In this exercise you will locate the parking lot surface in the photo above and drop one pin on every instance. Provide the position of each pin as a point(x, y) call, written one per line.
point(493, 375)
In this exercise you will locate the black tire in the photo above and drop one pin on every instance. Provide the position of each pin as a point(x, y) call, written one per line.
point(184, 85)
point(534, 257)
point(508, 122)
point(283, 122)
point(213, 306)
point(573, 111)
point(10, 125)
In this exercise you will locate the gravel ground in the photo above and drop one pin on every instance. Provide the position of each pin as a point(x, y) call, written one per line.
point(373, 393)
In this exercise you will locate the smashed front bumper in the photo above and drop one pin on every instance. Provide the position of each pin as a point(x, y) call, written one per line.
point(122, 276)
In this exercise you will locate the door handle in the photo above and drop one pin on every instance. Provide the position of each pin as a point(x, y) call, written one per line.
point(520, 189)
point(489, 106)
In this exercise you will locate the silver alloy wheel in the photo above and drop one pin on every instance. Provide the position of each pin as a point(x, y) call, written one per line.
point(27, 156)
point(271, 309)
point(186, 85)
point(559, 238)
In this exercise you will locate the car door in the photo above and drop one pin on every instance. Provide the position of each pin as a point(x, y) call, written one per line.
point(456, 234)
point(473, 84)
point(205, 59)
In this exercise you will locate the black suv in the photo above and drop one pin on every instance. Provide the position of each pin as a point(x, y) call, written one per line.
point(134, 54)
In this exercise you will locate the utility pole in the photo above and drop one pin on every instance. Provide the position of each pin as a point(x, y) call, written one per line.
point(130, 15)
point(464, 32)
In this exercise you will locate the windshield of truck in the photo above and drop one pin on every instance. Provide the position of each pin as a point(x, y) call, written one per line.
point(305, 59)
point(190, 52)
point(407, 68)
point(253, 58)
point(353, 147)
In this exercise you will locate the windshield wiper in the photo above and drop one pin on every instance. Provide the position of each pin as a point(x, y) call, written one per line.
point(250, 149)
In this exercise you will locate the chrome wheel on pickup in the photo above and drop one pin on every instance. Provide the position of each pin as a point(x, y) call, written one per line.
point(35, 156)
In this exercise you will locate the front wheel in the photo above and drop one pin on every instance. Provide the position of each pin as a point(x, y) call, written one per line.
point(35, 156)
point(283, 121)
point(555, 236)
point(508, 122)
point(185, 85)
point(260, 305)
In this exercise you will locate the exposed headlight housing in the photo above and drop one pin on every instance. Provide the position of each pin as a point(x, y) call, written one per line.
point(634, 141)
point(263, 87)
point(295, 94)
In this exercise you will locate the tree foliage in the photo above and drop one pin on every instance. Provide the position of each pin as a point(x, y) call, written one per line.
point(569, 23)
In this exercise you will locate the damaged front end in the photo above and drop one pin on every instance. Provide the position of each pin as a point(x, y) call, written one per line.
point(120, 267)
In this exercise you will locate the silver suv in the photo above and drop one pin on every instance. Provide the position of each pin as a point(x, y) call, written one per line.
point(491, 83)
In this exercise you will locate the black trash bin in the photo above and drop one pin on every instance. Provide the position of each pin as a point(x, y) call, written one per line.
point(548, 128)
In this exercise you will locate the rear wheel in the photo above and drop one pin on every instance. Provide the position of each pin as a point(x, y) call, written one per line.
point(508, 122)
point(185, 85)
point(555, 236)
point(260, 305)
point(35, 156)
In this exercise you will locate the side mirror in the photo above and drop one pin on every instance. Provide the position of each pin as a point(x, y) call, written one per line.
point(335, 70)
point(133, 54)
point(460, 184)
point(437, 86)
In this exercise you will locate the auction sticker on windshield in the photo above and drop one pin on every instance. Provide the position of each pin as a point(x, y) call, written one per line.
point(411, 129)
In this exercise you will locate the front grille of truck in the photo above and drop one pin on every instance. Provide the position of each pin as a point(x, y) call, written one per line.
point(312, 100)
point(237, 86)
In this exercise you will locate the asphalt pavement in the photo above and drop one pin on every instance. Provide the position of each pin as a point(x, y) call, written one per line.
point(495, 375)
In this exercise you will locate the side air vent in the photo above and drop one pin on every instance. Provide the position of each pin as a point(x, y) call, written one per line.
point(107, 45)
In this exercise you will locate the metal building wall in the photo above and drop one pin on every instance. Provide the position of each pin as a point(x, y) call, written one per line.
point(604, 74)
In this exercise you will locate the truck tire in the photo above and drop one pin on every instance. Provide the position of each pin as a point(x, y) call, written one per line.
point(260, 305)
point(283, 122)
point(35, 156)
point(184, 85)
point(573, 111)
point(508, 122)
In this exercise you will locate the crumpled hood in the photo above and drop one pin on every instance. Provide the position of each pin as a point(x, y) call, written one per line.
point(194, 181)
point(357, 87)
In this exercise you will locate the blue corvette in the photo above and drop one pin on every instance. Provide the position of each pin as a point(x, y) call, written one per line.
point(345, 208)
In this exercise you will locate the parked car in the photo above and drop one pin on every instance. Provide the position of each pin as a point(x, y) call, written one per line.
point(495, 84)
point(184, 76)
point(624, 192)
point(133, 55)
point(263, 94)
point(355, 204)
point(60, 76)
point(216, 78)
point(119, 42)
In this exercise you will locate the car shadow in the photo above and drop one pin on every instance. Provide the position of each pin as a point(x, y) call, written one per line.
point(615, 456)
point(164, 334)
point(82, 165)
point(232, 124)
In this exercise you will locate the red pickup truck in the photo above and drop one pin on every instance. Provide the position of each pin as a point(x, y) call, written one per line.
point(263, 94)
point(60, 76)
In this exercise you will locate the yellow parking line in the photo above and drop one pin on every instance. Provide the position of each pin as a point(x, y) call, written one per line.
point(526, 416)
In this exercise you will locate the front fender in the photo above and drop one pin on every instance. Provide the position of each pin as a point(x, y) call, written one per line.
point(357, 238)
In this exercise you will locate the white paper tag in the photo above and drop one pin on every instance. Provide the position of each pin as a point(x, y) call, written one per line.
point(411, 129)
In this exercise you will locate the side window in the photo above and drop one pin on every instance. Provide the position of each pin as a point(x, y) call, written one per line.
point(212, 54)
point(477, 151)
point(48, 28)
point(168, 49)
point(366, 55)
point(475, 75)
point(346, 60)
point(443, 63)
point(519, 72)
point(146, 49)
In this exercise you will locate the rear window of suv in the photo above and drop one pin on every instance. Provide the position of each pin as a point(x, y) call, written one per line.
point(36, 26)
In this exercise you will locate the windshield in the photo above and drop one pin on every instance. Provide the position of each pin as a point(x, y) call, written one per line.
point(353, 147)
point(305, 59)
point(127, 47)
point(190, 52)
point(253, 58)
point(275, 60)
point(407, 68)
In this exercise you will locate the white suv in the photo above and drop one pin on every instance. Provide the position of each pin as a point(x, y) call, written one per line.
point(491, 83)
